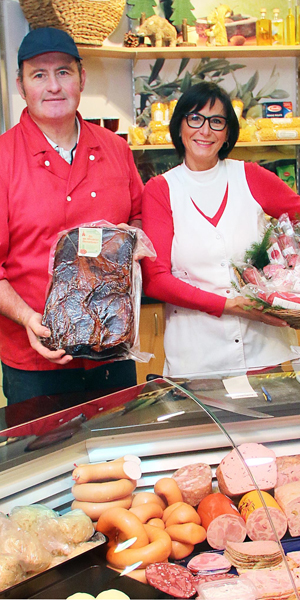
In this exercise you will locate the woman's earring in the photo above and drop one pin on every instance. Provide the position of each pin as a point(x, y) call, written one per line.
point(226, 145)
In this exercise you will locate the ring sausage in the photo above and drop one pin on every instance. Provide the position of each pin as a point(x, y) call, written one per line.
point(145, 497)
point(168, 489)
point(170, 509)
point(119, 520)
point(103, 492)
point(156, 523)
point(157, 550)
point(183, 532)
point(147, 511)
point(94, 510)
point(184, 513)
point(105, 471)
point(180, 550)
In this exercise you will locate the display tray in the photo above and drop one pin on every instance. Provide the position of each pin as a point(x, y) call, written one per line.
point(84, 573)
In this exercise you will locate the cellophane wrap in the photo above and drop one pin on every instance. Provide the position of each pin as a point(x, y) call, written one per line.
point(276, 281)
point(93, 303)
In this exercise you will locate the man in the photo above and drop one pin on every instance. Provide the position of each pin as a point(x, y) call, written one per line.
point(57, 172)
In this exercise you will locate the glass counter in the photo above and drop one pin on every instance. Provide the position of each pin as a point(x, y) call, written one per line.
point(170, 424)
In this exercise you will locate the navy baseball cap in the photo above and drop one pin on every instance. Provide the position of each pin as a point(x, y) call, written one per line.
point(46, 39)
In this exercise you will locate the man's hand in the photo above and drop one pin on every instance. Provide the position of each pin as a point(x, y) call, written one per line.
point(247, 309)
point(35, 329)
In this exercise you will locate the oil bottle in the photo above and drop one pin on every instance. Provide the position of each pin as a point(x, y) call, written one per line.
point(290, 37)
point(297, 21)
point(277, 28)
point(263, 29)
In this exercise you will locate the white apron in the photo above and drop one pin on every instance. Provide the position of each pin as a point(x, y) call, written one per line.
point(196, 342)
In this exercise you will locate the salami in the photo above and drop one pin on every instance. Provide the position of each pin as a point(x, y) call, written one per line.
point(172, 579)
point(208, 563)
point(194, 482)
point(232, 474)
point(257, 522)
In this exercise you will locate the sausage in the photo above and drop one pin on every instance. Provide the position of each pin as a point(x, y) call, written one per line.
point(168, 489)
point(180, 550)
point(105, 471)
point(187, 532)
point(222, 521)
point(157, 550)
point(95, 509)
point(174, 580)
point(183, 514)
point(288, 498)
point(194, 482)
point(144, 497)
point(233, 477)
point(147, 511)
point(119, 520)
point(209, 562)
point(103, 492)
point(257, 523)
point(156, 523)
point(214, 505)
point(170, 509)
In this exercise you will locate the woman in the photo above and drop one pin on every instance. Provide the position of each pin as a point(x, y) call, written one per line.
point(200, 216)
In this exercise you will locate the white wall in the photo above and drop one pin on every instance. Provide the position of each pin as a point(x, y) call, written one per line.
point(108, 89)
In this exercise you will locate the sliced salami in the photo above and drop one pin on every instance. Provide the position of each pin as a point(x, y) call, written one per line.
point(207, 562)
point(194, 482)
point(172, 579)
point(226, 528)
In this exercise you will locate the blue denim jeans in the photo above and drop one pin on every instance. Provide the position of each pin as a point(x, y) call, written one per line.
point(19, 385)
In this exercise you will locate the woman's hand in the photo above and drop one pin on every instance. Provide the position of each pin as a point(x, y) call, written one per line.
point(35, 329)
point(247, 309)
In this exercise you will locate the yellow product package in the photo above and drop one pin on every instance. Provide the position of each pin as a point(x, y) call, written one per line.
point(158, 126)
point(137, 135)
point(281, 122)
point(159, 137)
point(275, 133)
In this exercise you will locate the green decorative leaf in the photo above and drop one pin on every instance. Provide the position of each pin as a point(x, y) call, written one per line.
point(186, 82)
point(247, 98)
point(257, 254)
point(158, 65)
point(183, 64)
point(252, 83)
point(269, 88)
point(279, 94)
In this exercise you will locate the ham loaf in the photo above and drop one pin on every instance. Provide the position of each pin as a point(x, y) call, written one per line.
point(232, 474)
point(194, 482)
point(288, 498)
point(288, 469)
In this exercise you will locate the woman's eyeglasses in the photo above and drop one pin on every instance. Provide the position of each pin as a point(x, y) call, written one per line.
point(196, 120)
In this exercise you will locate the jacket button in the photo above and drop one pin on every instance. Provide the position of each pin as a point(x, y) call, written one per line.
point(69, 198)
point(93, 194)
point(91, 157)
point(47, 163)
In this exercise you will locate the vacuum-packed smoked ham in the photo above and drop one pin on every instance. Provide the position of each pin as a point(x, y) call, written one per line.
point(89, 309)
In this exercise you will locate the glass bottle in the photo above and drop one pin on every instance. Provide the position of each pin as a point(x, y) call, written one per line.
point(290, 38)
point(263, 29)
point(277, 28)
point(297, 21)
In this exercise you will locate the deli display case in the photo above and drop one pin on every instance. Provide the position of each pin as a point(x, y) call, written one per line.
point(169, 424)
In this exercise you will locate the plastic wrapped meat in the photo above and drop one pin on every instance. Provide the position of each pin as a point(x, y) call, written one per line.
point(89, 309)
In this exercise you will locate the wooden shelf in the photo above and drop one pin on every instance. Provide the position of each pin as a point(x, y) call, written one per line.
point(188, 51)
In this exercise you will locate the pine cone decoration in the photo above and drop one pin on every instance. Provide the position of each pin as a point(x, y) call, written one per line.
point(131, 40)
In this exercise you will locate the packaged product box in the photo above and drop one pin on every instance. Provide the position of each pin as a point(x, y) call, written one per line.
point(277, 109)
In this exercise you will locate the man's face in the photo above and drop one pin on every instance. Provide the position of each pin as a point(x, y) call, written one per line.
point(51, 86)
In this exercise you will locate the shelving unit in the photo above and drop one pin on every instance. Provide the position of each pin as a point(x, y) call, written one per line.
point(189, 52)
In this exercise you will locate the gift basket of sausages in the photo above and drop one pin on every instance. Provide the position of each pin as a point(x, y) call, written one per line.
point(93, 304)
point(270, 271)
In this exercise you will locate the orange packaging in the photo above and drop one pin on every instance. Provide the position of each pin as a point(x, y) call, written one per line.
point(251, 501)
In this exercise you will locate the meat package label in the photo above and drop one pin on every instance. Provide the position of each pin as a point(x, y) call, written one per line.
point(89, 241)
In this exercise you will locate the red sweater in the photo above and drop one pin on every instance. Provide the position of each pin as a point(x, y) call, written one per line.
point(273, 195)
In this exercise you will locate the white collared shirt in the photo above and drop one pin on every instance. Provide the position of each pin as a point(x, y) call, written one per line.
point(67, 155)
